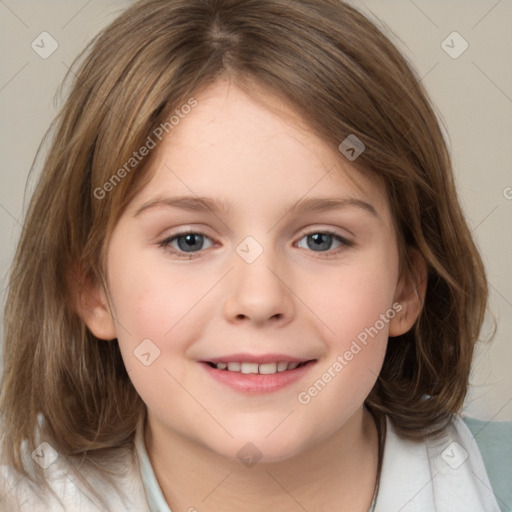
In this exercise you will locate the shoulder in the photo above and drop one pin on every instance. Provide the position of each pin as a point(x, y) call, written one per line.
point(75, 484)
point(445, 473)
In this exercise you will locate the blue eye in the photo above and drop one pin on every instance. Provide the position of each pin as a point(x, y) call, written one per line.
point(321, 241)
point(188, 243)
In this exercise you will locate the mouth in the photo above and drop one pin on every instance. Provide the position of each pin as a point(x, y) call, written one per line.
point(257, 374)
point(248, 368)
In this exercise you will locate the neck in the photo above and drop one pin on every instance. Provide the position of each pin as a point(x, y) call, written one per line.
point(338, 474)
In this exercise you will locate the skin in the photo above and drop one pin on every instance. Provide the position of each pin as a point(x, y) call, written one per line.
point(292, 299)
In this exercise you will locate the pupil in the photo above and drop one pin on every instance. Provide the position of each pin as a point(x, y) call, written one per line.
point(191, 241)
point(319, 243)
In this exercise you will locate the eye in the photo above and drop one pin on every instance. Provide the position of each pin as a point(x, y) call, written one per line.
point(322, 241)
point(188, 242)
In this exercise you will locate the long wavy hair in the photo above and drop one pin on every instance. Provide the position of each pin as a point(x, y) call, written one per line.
point(343, 76)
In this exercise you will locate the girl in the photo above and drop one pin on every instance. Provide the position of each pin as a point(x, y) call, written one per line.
point(244, 280)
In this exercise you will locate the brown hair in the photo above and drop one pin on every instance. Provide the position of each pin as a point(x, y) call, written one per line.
point(343, 76)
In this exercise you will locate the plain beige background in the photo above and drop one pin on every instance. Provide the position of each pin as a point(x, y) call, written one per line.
point(472, 92)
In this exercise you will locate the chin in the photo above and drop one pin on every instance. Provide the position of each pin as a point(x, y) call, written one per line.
point(277, 447)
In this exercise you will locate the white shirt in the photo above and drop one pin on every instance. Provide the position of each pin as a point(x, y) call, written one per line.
point(446, 474)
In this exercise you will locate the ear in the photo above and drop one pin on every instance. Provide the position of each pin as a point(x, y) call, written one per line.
point(410, 294)
point(92, 305)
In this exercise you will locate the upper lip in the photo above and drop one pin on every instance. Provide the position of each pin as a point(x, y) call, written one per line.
point(254, 358)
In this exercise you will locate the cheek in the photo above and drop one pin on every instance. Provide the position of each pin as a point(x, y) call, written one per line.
point(158, 302)
point(357, 308)
point(152, 308)
point(354, 299)
point(149, 298)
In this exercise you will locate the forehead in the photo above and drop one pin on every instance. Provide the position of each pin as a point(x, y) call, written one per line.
point(242, 148)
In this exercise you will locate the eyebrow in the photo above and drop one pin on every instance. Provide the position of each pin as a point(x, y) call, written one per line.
point(303, 206)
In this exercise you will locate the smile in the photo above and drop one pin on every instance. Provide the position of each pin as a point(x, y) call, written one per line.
point(262, 369)
point(251, 374)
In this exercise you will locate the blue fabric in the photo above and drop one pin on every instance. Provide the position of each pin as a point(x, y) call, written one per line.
point(494, 440)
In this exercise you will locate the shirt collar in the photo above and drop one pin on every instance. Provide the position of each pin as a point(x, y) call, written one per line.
point(414, 475)
point(154, 496)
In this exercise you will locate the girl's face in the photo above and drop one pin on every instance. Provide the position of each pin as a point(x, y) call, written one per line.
point(290, 257)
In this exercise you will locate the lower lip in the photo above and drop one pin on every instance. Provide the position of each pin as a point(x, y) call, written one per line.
point(255, 383)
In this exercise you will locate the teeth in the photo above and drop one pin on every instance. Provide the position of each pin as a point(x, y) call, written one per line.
point(249, 368)
point(262, 369)
point(268, 368)
point(282, 366)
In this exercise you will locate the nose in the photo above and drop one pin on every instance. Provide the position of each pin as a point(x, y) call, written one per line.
point(259, 292)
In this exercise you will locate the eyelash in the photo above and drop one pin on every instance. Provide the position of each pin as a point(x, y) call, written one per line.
point(166, 244)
